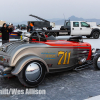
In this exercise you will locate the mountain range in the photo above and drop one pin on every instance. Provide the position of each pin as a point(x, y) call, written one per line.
point(73, 18)
point(60, 21)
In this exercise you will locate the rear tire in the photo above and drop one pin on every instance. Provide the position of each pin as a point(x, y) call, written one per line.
point(95, 35)
point(96, 62)
point(32, 74)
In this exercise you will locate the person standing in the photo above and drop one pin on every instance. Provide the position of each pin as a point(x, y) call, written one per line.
point(5, 33)
point(10, 28)
point(18, 26)
point(30, 27)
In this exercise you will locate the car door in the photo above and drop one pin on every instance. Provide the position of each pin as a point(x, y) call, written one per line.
point(75, 28)
point(60, 54)
point(85, 28)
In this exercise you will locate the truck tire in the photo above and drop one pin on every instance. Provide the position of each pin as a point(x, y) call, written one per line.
point(96, 62)
point(52, 33)
point(68, 33)
point(62, 28)
point(88, 36)
point(95, 35)
point(32, 74)
point(57, 33)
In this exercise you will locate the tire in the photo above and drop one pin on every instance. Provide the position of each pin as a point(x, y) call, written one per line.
point(52, 33)
point(57, 33)
point(62, 28)
point(88, 36)
point(96, 62)
point(32, 74)
point(95, 35)
point(68, 33)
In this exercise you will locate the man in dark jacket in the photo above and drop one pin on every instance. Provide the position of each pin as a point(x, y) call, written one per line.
point(5, 33)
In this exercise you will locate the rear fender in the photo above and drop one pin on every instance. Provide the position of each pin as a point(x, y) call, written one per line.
point(20, 65)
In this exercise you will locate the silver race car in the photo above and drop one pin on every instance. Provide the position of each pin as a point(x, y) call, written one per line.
point(37, 54)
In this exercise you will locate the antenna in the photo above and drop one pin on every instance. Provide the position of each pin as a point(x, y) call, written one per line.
point(64, 16)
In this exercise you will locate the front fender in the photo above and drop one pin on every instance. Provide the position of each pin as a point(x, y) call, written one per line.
point(20, 65)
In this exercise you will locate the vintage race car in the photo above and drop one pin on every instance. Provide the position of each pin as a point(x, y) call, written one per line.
point(37, 55)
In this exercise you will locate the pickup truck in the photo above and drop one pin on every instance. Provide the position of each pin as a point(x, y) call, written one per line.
point(81, 28)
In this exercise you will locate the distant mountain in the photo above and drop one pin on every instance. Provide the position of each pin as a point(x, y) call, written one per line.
point(23, 22)
point(59, 21)
point(73, 18)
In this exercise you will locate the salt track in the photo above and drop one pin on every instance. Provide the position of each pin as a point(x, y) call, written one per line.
point(73, 85)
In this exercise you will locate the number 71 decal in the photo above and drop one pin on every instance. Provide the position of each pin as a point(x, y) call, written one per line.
point(64, 55)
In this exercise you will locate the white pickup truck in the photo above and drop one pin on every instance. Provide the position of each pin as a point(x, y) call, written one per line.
point(81, 28)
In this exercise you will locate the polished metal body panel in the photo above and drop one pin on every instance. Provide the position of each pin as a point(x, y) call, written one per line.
point(53, 57)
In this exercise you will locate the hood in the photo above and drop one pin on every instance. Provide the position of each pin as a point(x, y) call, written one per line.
point(12, 47)
point(95, 27)
point(8, 45)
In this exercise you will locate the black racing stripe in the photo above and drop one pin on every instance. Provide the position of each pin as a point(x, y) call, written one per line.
point(79, 53)
point(82, 55)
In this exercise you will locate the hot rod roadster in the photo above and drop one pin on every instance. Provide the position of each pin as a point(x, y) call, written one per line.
point(36, 55)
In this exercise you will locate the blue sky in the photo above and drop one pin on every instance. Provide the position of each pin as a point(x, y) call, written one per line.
point(18, 10)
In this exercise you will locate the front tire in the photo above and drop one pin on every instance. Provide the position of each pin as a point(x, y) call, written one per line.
point(32, 74)
point(96, 35)
point(96, 62)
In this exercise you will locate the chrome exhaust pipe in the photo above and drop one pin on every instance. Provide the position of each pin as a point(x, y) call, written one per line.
point(81, 61)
